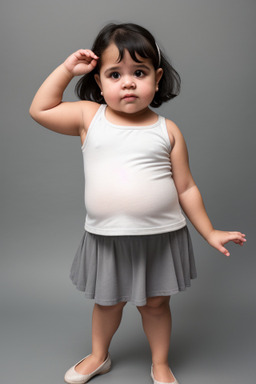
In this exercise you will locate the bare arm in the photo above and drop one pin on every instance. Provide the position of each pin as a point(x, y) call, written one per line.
point(47, 107)
point(190, 197)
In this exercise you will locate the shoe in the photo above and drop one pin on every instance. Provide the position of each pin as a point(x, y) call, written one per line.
point(73, 377)
point(158, 382)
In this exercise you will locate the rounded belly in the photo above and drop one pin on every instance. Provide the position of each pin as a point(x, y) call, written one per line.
point(134, 198)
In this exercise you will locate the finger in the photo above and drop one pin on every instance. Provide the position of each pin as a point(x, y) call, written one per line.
point(240, 242)
point(88, 53)
point(237, 233)
point(237, 237)
point(224, 251)
point(85, 58)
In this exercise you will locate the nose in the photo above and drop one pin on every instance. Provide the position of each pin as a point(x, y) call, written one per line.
point(128, 83)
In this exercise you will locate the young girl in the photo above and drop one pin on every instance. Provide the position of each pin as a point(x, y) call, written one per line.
point(136, 246)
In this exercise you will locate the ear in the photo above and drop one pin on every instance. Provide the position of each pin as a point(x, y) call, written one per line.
point(159, 74)
point(97, 79)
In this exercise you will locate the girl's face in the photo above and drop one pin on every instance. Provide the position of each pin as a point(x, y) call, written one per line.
point(128, 87)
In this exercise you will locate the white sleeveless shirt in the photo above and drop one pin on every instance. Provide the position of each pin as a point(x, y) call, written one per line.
point(129, 189)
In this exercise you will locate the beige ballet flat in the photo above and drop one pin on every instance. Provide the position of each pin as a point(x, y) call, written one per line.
point(158, 382)
point(73, 377)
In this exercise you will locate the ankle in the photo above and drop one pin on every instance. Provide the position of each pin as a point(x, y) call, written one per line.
point(158, 364)
point(99, 357)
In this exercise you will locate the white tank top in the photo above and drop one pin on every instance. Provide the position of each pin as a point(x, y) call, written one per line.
point(129, 189)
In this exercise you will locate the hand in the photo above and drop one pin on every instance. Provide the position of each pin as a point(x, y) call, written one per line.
point(81, 62)
point(217, 239)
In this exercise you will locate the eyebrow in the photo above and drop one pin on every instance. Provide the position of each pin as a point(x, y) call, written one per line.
point(117, 68)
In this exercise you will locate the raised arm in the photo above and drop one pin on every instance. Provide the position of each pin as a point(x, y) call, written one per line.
point(190, 197)
point(47, 107)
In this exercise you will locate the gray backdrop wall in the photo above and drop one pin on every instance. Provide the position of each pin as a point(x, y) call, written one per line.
point(45, 322)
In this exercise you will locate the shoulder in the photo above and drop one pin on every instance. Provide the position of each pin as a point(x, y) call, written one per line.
point(173, 131)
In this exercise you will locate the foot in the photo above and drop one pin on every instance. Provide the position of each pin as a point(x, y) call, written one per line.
point(88, 365)
point(163, 374)
point(89, 369)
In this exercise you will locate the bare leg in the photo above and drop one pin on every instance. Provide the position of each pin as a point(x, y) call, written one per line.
point(105, 322)
point(157, 323)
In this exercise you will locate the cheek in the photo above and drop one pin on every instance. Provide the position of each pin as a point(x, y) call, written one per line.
point(110, 91)
point(149, 89)
point(149, 85)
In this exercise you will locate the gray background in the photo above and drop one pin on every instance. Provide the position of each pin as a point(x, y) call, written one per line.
point(45, 322)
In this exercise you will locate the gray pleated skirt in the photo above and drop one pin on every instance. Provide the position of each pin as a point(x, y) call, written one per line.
point(111, 269)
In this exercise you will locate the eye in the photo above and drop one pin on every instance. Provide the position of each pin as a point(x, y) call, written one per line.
point(139, 73)
point(115, 75)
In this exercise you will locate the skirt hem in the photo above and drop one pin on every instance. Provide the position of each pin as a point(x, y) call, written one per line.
point(129, 299)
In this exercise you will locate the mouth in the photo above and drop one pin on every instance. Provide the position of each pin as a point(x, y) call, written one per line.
point(129, 97)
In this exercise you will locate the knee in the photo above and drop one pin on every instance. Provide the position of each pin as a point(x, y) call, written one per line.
point(155, 306)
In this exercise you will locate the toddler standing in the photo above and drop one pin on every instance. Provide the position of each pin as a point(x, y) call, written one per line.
point(136, 246)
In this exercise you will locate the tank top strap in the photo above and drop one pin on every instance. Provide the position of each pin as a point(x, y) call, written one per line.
point(162, 123)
